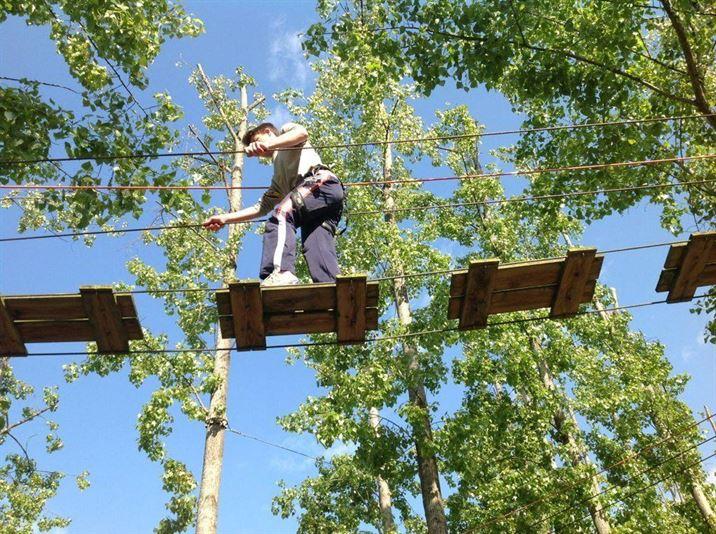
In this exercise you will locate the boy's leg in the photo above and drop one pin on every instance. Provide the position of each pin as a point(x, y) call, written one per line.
point(323, 202)
point(319, 249)
point(279, 242)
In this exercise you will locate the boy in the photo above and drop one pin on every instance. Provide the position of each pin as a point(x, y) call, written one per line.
point(304, 193)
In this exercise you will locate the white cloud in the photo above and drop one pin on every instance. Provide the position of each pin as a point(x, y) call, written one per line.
point(687, 353)
point(340, 448)
point(279, 116)
point(711, 473)
point(288, 462)
point(287, 64)
point(291, 464)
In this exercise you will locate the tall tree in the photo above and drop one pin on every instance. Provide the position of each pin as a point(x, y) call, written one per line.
point(549, 58)
point(195, 263)
point(343, 106)
point(98, 113)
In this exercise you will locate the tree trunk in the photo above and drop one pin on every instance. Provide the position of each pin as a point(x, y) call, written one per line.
point(575, 449)
point(702, 502)
point(422, 431)
point(695, 76)
point(208, 512)
point(694, 486)
point(384, 497)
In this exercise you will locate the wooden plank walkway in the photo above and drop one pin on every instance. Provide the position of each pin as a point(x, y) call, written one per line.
point(487, 288)
point(95, 314)
point(249, 313)
point(689, 266)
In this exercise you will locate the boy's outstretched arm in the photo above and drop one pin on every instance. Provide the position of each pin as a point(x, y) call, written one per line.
point(216, 222)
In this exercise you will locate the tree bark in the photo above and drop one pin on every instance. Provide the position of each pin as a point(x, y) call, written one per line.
point(384, 496)
point(695, 77)
point(575, 449)
point(208, 508)
point(208, 512)
point(422, 431)
point(694, 486)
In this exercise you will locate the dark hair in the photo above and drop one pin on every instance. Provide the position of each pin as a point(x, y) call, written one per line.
point(248, 137)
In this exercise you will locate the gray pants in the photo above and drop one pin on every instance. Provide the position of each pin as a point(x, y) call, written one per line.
point(322, 196)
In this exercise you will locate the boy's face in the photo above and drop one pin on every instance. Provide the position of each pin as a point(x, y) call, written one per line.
point(263, 137)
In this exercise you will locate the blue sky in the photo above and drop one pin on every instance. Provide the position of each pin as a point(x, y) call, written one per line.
point(98, 415)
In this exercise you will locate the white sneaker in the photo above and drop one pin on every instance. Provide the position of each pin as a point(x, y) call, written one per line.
point(280, 278)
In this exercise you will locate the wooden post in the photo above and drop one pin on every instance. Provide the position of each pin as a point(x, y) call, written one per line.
point(208, 506)
point(479, 284)
point(695, 258)
point(106, 319)
point(11, 343)
point(247, 312)
point(351, 295)
point(575, 275)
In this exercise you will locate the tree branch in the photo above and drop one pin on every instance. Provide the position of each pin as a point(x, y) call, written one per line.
point(568, 53)
point(30, 81)
point(35, 414)
point(24, 450)
point(207, 83)
point(217, 162)
point(694, 75)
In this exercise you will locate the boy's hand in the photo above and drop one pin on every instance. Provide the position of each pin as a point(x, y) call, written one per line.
point(214, 223)
point(258, 148)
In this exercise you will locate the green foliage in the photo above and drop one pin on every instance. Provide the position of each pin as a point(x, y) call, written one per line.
point(105, 121)
point(25, 489)
point(546, 405)
point(340, 499)
point(103, 44)
point(549, 58)
point(196, 260)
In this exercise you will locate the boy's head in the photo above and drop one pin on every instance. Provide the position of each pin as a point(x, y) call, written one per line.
point(259, 133)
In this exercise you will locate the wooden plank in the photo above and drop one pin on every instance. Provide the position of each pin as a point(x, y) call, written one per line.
point(248, 314)
point(11, 343)
point(105, 319)
point(46, 307)
point(309, 297)
point(126, 305)
point(320, 322)
point(696, 256)
point(65, 307)
point(676, 252)
point(315, 322)
point(372, 294)
point(67, 331)
point(522, 275)
point(278, 300)
point(481, 278)
point(226, 326)
point(575, 275)
point(351, 293)
point(523, 299)
point(675, 256)
point(531, 299)
point(542, 270)
point(667, 277)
